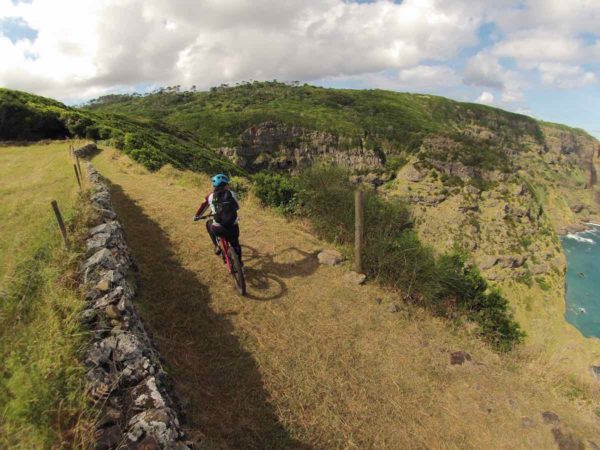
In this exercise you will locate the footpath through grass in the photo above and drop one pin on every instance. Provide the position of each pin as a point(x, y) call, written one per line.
point(308, 360)
point(42, 404)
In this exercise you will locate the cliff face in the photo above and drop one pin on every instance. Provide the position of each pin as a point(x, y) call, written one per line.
point(509, 221)
point(275, 146)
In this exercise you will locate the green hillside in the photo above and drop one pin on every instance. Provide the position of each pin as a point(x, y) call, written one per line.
point(184, 128)
point(28, 117)
point(397, 123)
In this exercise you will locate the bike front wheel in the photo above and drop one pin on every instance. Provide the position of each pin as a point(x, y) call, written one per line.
point(237, 271)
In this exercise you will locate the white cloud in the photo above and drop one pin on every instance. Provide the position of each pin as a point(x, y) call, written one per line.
point(87, 48)
point(557, 39)
point(418, 78)
point(485, 70)
point(109, 44)
point(428, 77)
point(573, 16)
point(542, 45)
point(486, 98)
point(565, 76)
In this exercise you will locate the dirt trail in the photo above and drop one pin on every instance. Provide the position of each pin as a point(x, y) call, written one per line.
point(306, 361)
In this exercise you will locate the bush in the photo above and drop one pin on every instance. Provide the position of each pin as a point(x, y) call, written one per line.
point(92, 133)
point(541, 281)
point(117, 141)
point(525, 278)
point(77, 124)
point(327, 198)
point(149, 157)
point(276, 190)
point(18, 122)
point(142, 150)
point(239, 185)
point(465, 285)
point(394, 255)
point(394, 162)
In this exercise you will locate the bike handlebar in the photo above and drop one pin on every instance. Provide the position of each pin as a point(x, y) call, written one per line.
point(196, 219)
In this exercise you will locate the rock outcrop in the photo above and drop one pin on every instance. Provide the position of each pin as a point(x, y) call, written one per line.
point(272, 145)
point(125, 376)
point(330, 257)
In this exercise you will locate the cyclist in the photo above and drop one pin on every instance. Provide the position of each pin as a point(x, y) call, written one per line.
point(224, 205)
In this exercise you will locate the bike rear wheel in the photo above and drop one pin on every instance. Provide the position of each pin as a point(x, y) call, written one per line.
point(236, 271)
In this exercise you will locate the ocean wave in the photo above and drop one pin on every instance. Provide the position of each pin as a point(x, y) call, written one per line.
point(592, 224)
point(579, 238)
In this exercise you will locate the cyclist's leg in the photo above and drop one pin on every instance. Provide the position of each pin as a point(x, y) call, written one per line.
point(233, 236)
point(211, 233)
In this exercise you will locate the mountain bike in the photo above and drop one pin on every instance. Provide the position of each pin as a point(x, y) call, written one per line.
point(231, 260)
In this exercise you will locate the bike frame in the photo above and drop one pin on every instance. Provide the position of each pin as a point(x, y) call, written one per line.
point(224, 244)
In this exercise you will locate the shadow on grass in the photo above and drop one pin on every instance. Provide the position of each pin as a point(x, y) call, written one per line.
point(264, 276)
point(227, 403)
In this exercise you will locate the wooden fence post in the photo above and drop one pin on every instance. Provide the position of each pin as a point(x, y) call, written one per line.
point(77, 175)
point(79, 169)
point(61, 223)
point(359, 228)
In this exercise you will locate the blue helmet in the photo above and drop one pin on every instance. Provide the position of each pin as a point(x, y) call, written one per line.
point(220, 180)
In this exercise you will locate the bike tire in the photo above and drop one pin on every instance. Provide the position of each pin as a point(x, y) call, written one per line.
point(237, 272)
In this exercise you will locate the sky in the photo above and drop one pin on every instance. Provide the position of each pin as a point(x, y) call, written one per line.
point(536, 57)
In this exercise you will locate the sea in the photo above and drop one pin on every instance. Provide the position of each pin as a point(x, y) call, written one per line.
point(583, 280)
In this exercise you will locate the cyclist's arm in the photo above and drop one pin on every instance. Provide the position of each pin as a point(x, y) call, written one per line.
point(203, 207)
point(234, 195)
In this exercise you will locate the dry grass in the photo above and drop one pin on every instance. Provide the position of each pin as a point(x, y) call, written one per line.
point(308, 361)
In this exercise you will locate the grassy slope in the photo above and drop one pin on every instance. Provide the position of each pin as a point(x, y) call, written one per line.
point(308, 360)
point(28, 117)
point(393, 121)
point(42, 403)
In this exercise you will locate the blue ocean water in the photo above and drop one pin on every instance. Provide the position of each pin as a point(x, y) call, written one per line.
point(583, 280)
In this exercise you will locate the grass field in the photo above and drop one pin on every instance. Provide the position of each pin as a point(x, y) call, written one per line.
point(42, 404)
point(308, 360)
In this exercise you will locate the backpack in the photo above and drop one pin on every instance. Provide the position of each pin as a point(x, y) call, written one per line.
point(225, 207)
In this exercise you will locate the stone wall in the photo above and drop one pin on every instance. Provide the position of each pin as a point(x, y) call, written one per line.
point(125, 376)
point(86, 151)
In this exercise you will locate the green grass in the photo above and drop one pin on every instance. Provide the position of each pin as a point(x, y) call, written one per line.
point(42, 402)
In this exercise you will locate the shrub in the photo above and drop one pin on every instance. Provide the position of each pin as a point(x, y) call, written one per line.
point(326, 196)
point(149, 157)
point(132, 142)
point(541, 281)
point(117, 140)
point(394, 255)
point(77, 124)
point(275, 190)
point(92, 133)
point(394, 163)
point(525, 278)
point(490, 310)
point(18, 122)
point(239, 185)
